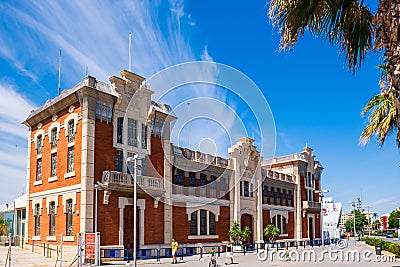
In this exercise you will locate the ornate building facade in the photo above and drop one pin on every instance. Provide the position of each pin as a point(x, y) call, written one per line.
point(86, 136)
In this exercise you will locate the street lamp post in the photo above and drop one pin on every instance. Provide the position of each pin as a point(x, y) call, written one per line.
point(135, 160)
point(353, 204)
point(321, 195)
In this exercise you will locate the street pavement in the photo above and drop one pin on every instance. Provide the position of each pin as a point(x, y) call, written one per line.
point(26, 258)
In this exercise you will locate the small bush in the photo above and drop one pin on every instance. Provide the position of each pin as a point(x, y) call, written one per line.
point(387, 246)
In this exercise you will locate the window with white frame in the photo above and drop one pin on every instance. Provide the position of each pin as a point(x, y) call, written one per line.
point(119, 160)
point(39, 144)
point(52, 218)
point(69, 211)
point(104, 112)
point(280, 222)
point(53, 165)
point(202, 222)
point(54, 138)
point(179, 177)
point(39, 169)
point(71, 159)
point(37, 219)
point(132, 132)
point(71, 131)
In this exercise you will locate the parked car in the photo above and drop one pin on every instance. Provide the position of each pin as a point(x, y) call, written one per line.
point(389, 234)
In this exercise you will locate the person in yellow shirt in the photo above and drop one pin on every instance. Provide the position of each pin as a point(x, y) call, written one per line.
point(174, 246)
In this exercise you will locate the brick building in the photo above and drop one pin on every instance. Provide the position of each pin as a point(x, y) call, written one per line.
point(84, 137)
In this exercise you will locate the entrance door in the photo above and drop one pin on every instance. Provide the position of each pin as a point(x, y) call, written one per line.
point(128, 226)
point(247, 220)
point(311, 228)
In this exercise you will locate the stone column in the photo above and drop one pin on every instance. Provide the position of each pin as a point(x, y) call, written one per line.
point(28, 177)
point(298, 204)
point(168, 192)
point(87, 163)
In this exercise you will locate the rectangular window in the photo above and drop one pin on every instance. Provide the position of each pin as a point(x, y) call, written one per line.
point(98, 110)
point(132, 132)
point(144, 136)
point(192, 179)
point(69, 218)
point(110, 113)
point(54, 138)
point(203, 222)
point(71, 159)
point(179, 177)
point(211, 217)
point(120, 128)
point(246, 189)
point(119, 160)
point(213, 184)
point(52, 218)
point(278, 196)
point(37, 219)
point(193, 223)
point(104, 113)
point(271, 195)
point(39, 144)
point(38, 169)
point(53, 164)
point(130, 165)
point(203, 179)
point(71, 131)
point(241, 188)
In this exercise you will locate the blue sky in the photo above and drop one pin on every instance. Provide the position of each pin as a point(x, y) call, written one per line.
point(313, 98)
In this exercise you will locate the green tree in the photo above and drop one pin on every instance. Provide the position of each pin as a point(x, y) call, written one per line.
point(381, 114)
point(361, 221)
point(271, 232)
point(376, 225)
point(245, 234)
point(3, 227)
point(235, 233)
point(351, 25)
point(393, 221)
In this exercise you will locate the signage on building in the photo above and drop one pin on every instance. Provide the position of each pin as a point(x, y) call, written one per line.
point(90, 245)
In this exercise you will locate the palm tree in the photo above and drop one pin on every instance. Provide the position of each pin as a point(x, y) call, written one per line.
point(382, 113)
point(349, 23)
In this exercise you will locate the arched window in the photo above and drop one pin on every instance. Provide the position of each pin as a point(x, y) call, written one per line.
point(280, 222)
point(202, 222)
point(179, 177)
point(39, 144)
point(71, 131)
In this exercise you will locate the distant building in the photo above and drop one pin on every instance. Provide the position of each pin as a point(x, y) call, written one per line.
point(14, 214)
point(384, 221)
point(344, 218)
point(331, 218)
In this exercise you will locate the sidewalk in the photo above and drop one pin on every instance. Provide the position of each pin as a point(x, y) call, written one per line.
point(26, 258)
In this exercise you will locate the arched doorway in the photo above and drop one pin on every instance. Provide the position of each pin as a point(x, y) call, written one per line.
point(247, 220)
point(311, 228)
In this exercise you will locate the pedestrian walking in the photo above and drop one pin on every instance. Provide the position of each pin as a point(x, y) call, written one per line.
point(174, 247)
point(229, 253)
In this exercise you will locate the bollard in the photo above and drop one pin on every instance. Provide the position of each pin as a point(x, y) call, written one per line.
point(219, 252)
point(33, 245)
point(244, 250)
point(44, 249)
point(181, 257)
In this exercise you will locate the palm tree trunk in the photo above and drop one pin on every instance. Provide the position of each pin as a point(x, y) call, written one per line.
point(387, 25)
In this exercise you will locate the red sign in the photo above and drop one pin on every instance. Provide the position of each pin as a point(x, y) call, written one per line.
point(324, 211)
point(90, 245)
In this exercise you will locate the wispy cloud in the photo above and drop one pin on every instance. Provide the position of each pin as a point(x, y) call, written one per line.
point(382, 201)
